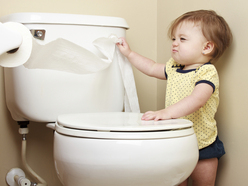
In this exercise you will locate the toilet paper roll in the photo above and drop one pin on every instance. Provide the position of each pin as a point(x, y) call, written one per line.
point(66, 56)
point(24, 51)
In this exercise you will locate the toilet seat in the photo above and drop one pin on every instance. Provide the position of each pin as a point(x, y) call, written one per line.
point(120, 125)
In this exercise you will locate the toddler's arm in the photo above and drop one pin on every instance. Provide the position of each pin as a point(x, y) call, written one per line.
point(200, 95)
point(143, 64)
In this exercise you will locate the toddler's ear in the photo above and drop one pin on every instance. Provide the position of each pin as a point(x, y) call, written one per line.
point(208, 47)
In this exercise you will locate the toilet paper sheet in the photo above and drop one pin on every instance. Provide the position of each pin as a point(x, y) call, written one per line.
point(67, 56)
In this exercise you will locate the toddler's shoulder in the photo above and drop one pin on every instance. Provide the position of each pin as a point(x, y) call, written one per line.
point(207, 68)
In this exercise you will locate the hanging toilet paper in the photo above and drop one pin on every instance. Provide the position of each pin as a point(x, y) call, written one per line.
point(66, 56)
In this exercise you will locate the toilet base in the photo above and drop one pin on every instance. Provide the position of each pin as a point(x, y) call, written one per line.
point(94, 162)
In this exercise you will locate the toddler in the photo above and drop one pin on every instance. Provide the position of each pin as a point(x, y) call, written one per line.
point(198, 38)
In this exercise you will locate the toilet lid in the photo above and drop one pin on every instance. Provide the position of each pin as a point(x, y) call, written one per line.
point(120, 125)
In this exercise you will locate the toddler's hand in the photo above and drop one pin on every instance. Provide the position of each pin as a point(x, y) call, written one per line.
point(156, 115)
point(124, 47)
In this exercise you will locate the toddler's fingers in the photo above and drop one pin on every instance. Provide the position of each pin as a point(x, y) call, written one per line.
point(148, 116)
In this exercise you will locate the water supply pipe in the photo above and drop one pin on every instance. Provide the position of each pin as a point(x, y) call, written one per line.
point(23, 130)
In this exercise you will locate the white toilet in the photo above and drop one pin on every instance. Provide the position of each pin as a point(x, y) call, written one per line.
point(95, 143)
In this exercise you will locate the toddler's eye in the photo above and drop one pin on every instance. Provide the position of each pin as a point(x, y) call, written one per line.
point(173, 39)
point(182, 39)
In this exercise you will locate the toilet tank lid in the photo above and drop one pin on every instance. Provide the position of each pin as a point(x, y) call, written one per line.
point(73, 19)
point(118, 121)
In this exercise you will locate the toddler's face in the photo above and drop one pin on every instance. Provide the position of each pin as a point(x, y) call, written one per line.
point(187, 44)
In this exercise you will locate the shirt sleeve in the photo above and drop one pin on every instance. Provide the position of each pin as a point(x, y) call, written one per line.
point(207, 74)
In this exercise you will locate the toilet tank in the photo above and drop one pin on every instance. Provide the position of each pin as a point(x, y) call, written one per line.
point(41, 95)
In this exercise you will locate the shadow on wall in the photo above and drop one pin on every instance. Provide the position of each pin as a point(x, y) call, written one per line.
point(224, 70)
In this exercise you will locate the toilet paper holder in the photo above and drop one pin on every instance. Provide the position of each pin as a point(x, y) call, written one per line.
point(38, 34)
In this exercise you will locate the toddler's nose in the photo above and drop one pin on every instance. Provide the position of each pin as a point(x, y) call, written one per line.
point(174, 43)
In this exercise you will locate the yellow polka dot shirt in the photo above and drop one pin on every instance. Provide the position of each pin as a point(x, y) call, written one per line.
point(181, 83)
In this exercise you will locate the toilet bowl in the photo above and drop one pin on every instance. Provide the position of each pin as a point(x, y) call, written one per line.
point(111, 149)
point(95, 142)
